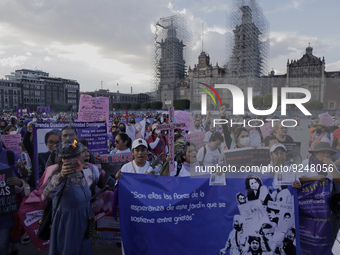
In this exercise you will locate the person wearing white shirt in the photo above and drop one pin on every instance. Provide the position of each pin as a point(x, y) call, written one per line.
point(122, 143)
point(139, 165)
point(210, 154)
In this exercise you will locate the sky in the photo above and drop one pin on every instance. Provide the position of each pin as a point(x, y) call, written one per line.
point(102, 43)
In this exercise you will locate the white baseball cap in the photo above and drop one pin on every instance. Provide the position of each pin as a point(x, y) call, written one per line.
point(277, 145)
point(139, 142)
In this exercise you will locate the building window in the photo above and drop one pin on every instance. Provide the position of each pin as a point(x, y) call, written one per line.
point(331, 105)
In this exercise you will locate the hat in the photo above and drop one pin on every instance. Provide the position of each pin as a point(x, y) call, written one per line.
point(336, 133)
point(337, 122)
point(276, 146)
point(139, 142)
point(26, 121)
point(69, 149)
point(321, 124)
point(322, 146)
point(154, 126)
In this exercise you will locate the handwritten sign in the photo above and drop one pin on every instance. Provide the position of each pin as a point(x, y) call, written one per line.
point(266, 129)
point(92, 109)
point(247, 157)
point(8, 200)
point(12, 142)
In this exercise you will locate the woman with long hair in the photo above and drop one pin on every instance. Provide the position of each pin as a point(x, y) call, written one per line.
point(70, 182)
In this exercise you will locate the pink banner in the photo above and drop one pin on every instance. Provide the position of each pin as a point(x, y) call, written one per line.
point(92, 109)
point(266, 129)
point(31, 210)
point(326, 118)
point(11, 142)
point(183, 117)
point(197, 138)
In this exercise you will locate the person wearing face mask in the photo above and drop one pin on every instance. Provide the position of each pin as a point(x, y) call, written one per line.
point(210, 154)
point(241, 138)
point(237, 240)
point(157, 142)
point(255, 134)
point(240, 135)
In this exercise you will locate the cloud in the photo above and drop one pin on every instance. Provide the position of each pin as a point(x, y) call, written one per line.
point(13, 61)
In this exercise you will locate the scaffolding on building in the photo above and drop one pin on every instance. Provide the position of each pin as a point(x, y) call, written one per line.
point(170, 38)
point(247, 42)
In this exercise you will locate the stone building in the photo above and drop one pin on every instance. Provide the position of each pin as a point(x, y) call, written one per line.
point(35, 87)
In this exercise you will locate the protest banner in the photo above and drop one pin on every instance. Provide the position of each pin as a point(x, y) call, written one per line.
point(93, 132)
point(247, 157)
point(266, 129)
point(197, 138)
point(170, 127)
point(30, 212)
point(183, 117)
point(92, 109)
point(156, 212)
point(316, 233)
point(326, 118)
point(8, 200)
point(12, 142)
point(111, 163)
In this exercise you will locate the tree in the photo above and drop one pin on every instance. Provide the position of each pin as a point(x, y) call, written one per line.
point(125, 106)
point(181, 104)
point(116, 106)
point(146, 105)
point(156, 105)
point(135, 106)
point(257, 102)
point(314, 105)
point(268, 100)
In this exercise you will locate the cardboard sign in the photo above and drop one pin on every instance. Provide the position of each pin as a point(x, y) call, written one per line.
point(8, 200)
point(12, 142)
point(247, 157)
point(93, 109)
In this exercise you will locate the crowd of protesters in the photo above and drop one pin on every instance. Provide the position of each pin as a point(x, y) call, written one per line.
point(77, 163)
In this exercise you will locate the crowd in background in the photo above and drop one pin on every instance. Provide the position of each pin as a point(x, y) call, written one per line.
point(77, 163)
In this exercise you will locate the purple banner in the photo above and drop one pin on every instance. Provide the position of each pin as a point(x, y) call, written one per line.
point(316, 235)
point(93, 132)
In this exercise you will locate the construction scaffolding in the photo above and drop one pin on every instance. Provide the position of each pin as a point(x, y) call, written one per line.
point(247, 41)
point(170, 38)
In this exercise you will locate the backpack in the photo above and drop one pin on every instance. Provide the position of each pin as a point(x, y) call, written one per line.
point(204, 153)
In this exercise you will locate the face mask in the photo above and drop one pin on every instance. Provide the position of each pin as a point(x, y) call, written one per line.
point(244, 141)
point(157, 132)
